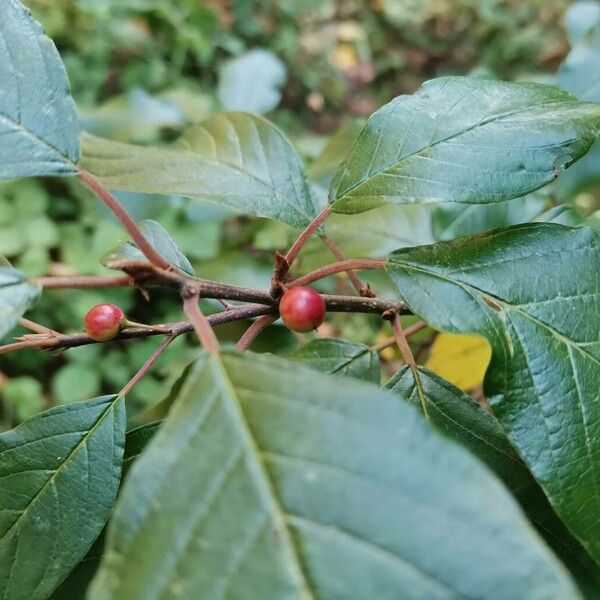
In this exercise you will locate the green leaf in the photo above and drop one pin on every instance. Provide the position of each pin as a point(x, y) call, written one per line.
point(235, 159)
point(272, 482)
point(136, 441)
point(332, 355)
point(532, 291)
point(459, 139)
point(38, 123)
point(160, 240)
point(252, 81)
point(462, 419)
point(16, 296)
point(75, 585)
point(59, 476)
point(325, 165)
point(455, 220)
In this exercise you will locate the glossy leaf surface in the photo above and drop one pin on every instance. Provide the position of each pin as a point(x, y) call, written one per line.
point(534, 292)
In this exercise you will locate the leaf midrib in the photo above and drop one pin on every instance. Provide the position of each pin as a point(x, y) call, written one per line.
point(18, 127)
point(263, 482)
point(483, 123)
point(82, 442)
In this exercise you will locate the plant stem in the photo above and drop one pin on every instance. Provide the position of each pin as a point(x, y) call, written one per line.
point(128, 223)
point(147, 365)
point(45, 342)
point(414, 328)
point(306, 235)
point(409, 359)
point(338, 267)
point(337, 253)
point(83, 281)
point(201, 324)
point(33, 326)
point(254, 331)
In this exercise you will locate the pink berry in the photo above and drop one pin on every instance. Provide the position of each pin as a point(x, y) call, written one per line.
point(103, 322)
point(302, 308)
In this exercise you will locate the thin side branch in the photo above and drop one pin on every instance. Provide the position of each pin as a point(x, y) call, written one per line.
point(409, 359)
point(82, 281)
point(337, 253)
point(147, 365)
point(201, 324)
point(254, 331)
point(128, 223)
point(306, 235)
point(338, 267)
point(414, 328)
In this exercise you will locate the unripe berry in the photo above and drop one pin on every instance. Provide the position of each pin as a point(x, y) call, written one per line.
point(104, 321)
point(302, 308)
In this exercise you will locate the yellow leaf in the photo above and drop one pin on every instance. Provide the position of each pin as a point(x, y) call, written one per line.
point(461, 359)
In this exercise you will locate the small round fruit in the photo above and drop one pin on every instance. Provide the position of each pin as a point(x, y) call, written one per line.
point(302, 308)
point(103, 322)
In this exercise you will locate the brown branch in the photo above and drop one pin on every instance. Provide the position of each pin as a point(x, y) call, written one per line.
point(147, 365)
point(412, 329)
point(337, 253)
point(82, 281)
point(338, 267)
point(408, 358)
point(201, 324)
point(306, 235)
point(42, 342)
point(128, 223)
point(254, 331)
point(36, 327)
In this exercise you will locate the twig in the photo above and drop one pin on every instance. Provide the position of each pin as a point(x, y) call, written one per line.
point(147, 365)
point(201, 324)
point(254, 331)
point(128, 223)
point(414, 328)
point(408, 358)
point(83, 281)
point(33, 326)
point(42, 342)
point(337, 253)
point(338, 267)
point(306, 235)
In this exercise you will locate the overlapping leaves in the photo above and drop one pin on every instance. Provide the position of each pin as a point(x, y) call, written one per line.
point(270, 482)
point(534, 292)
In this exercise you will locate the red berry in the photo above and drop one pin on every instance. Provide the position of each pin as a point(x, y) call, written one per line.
point(302, 308)
point(103, 322)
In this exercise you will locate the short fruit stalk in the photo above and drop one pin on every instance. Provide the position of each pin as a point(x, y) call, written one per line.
point(302, 309)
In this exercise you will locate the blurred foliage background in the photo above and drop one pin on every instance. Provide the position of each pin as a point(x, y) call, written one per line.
point(143, 70)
